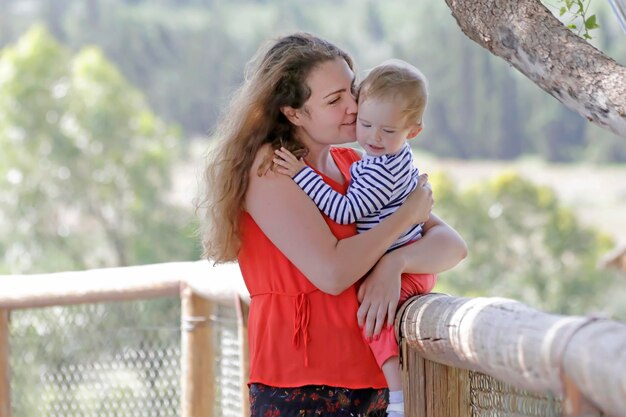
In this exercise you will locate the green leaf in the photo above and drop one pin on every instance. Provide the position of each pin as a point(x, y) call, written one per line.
point(569, 4)
point(572, 26)
point(562, 11)
point(591, 23)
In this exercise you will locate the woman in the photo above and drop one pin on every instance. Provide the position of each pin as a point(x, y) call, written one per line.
point(307, 355)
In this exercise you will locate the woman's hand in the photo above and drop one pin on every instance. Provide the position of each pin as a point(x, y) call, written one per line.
point(379, 294)
point(287, 163)
point(419, 203)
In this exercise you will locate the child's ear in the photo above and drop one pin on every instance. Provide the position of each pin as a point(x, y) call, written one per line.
point(293, 115)
point(415, 130)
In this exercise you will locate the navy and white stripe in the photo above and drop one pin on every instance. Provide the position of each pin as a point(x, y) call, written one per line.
point(379, 185)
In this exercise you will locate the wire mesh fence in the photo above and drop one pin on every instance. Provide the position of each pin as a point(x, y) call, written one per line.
point(490, 397)
point(123, 359)
point(118, 359)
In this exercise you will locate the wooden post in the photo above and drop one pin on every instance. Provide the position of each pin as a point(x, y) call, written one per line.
point(5, 380)
point(432, 389)
point(197, 355)
point(413, 382)
point(244, 353)
point(448, 389)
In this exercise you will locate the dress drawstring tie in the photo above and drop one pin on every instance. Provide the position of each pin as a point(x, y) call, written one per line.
point(301, 319)
point(301, 324)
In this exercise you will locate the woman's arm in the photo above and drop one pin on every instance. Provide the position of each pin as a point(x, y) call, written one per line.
point(293, 223)
point(440, 249)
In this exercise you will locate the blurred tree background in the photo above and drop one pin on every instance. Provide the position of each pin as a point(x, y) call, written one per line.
point(84, 164)
point(186, 56)
point(100, 101)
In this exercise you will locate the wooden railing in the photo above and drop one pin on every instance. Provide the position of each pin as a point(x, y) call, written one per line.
point(200, 286)
point(581, 359)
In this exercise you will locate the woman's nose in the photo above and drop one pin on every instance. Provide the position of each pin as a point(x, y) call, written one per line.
point(351, 106)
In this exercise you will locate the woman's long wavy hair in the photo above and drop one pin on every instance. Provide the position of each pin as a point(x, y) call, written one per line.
point(277, 79)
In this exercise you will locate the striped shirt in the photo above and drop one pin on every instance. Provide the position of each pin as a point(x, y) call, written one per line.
point(379, 185)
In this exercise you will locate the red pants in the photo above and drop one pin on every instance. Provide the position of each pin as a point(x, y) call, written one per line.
point(412, 284)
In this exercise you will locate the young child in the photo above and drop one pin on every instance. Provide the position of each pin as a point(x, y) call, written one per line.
point(391, 104)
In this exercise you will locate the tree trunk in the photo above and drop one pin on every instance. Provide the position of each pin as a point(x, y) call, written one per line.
point(529, 37)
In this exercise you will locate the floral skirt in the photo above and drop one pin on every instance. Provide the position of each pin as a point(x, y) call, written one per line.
point(316, 401)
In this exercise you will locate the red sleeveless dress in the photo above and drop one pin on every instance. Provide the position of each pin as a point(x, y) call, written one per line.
point(299, 335)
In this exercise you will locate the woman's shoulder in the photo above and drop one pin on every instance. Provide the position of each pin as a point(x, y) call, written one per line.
point(263, 159)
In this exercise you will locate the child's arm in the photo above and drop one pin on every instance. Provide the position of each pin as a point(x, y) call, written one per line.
point(363, 198)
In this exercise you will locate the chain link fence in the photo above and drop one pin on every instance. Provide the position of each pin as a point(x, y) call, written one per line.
point(123, 359)
point(120, 359)
point(490, 397)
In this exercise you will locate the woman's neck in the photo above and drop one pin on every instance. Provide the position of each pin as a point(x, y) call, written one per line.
point(319, 157)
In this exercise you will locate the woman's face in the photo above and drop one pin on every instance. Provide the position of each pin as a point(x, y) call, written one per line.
point(328, 117)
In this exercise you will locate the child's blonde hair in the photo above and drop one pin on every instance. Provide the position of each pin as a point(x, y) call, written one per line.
point(395, 79)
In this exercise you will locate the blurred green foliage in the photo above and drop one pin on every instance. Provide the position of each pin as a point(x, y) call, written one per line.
point(85, 165)
point(187, 56)
point(579, 18)
point(526, 246)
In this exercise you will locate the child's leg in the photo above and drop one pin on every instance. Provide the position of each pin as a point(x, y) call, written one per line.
point(391, 369)
point(385, 348)
point(386, 345)
point(393, 375)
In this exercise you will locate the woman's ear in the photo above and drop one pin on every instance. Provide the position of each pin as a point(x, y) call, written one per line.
point(293, 115)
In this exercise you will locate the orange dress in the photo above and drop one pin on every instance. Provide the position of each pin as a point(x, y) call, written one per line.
point(299, 335)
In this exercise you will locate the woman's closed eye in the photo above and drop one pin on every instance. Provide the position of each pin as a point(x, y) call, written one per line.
point(335, 100)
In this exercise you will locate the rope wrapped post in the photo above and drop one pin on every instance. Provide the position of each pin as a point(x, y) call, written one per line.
point(521, 346)
point(5, 387)
point(198, 355)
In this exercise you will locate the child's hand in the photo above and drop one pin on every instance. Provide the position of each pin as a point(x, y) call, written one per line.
point(287, 163)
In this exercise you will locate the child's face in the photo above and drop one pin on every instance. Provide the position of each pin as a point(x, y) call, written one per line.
point(381, 127)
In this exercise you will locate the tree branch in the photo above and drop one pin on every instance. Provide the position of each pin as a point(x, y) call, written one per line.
point(529, 37)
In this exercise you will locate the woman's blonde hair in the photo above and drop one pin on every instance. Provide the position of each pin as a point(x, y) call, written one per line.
point(277, 79)
point(395, 79)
